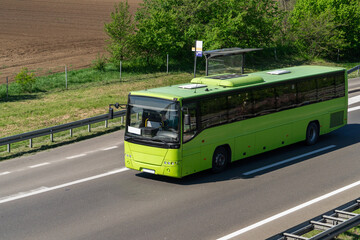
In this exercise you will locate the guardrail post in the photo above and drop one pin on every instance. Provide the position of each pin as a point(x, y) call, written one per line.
point(89, 128)
point(122, 120)
point(51, 137)
point(71, 132)
point(30, 143)
point(8, 148)
point(106, 124)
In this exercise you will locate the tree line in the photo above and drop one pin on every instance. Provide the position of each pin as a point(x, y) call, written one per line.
point(310, 29)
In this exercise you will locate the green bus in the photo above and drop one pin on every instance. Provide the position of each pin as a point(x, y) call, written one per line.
point(215, 120)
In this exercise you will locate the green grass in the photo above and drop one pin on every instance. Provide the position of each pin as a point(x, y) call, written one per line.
point(29, 112)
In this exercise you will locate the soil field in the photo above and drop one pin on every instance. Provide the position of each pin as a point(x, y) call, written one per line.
point(46, 35)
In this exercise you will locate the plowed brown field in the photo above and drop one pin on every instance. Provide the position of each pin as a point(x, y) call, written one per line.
point(44, 35)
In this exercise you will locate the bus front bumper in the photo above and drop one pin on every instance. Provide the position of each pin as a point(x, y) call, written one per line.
point(171, 169)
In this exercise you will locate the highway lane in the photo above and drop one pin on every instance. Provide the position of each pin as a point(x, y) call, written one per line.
point(132, 205)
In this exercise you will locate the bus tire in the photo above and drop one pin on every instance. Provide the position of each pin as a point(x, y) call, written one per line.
point(220, 159)
point(312, 133)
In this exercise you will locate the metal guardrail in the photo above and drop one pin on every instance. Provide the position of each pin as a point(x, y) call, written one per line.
point(331, 225)
point(60, 128)
point(354, 69)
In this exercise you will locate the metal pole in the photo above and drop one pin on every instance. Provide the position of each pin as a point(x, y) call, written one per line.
point(89, 128)
point(167, 63)
point(66, 78)
point(195, 64)
point(275, 54)
point(7, 87)
point(52, 137)
point(106, 124)
point(8, 148)
point(120, 69)
point(206, 66)
point(243, 63)
point(30, 143)
point(71, 132)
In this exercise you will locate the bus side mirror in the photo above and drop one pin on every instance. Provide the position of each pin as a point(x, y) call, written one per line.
point(187, 119)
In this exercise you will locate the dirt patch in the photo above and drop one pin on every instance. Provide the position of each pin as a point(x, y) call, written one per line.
point(45, 35)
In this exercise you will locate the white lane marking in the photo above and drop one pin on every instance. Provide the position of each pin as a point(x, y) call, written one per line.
point(354, 100)
point(39, 165)
point(48, 189)
point(23, 194)
point(289, 160)
point(76, 156)
point(110, 148)
point(4, 173)
point(291, 210)
point(353, 109)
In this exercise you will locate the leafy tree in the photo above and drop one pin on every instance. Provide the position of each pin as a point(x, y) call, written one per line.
point(120, 31)
point(169, 26)
point(243, 24)
point(161, 27)
point(322, 27)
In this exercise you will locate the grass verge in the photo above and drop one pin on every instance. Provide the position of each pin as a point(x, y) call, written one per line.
point(40, 110)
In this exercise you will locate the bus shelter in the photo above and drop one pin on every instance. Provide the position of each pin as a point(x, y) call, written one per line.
point(226, 60)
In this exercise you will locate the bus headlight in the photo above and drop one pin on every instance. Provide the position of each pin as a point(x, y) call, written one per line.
point(171, 163)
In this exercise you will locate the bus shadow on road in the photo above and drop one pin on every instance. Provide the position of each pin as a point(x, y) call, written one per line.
point(271, 161)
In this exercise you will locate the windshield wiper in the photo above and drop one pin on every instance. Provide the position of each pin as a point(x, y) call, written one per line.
point(159, 140)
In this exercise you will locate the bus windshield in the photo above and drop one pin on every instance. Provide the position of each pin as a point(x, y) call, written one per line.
point(153, 119)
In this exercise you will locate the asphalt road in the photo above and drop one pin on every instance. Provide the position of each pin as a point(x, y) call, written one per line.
point(83, 191)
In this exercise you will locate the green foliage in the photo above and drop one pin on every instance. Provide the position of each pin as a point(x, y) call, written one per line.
point(120, 31)
point(25, 80)
point(321, 28)
point(243, 24)
point(99, 63)
point(172, 26)
point(307, 28)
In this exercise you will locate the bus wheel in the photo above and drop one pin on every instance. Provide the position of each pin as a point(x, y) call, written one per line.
point(312, 133)
point(220, 159)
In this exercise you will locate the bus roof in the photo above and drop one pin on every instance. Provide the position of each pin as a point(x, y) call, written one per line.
point(226, 82)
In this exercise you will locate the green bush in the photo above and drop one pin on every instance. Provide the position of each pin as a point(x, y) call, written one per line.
point(25, 80)
point(100, 63)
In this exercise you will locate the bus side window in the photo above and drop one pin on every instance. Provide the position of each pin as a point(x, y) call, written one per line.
point(306, 92)
point(213, 112)
point(190, 128)
point(285, 96)
point(240, 106)
point(326, 88)
point(340, 85)
point(264, 101)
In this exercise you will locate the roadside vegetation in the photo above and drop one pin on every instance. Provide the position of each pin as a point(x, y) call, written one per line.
point(85, 98)
point(297, 29)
